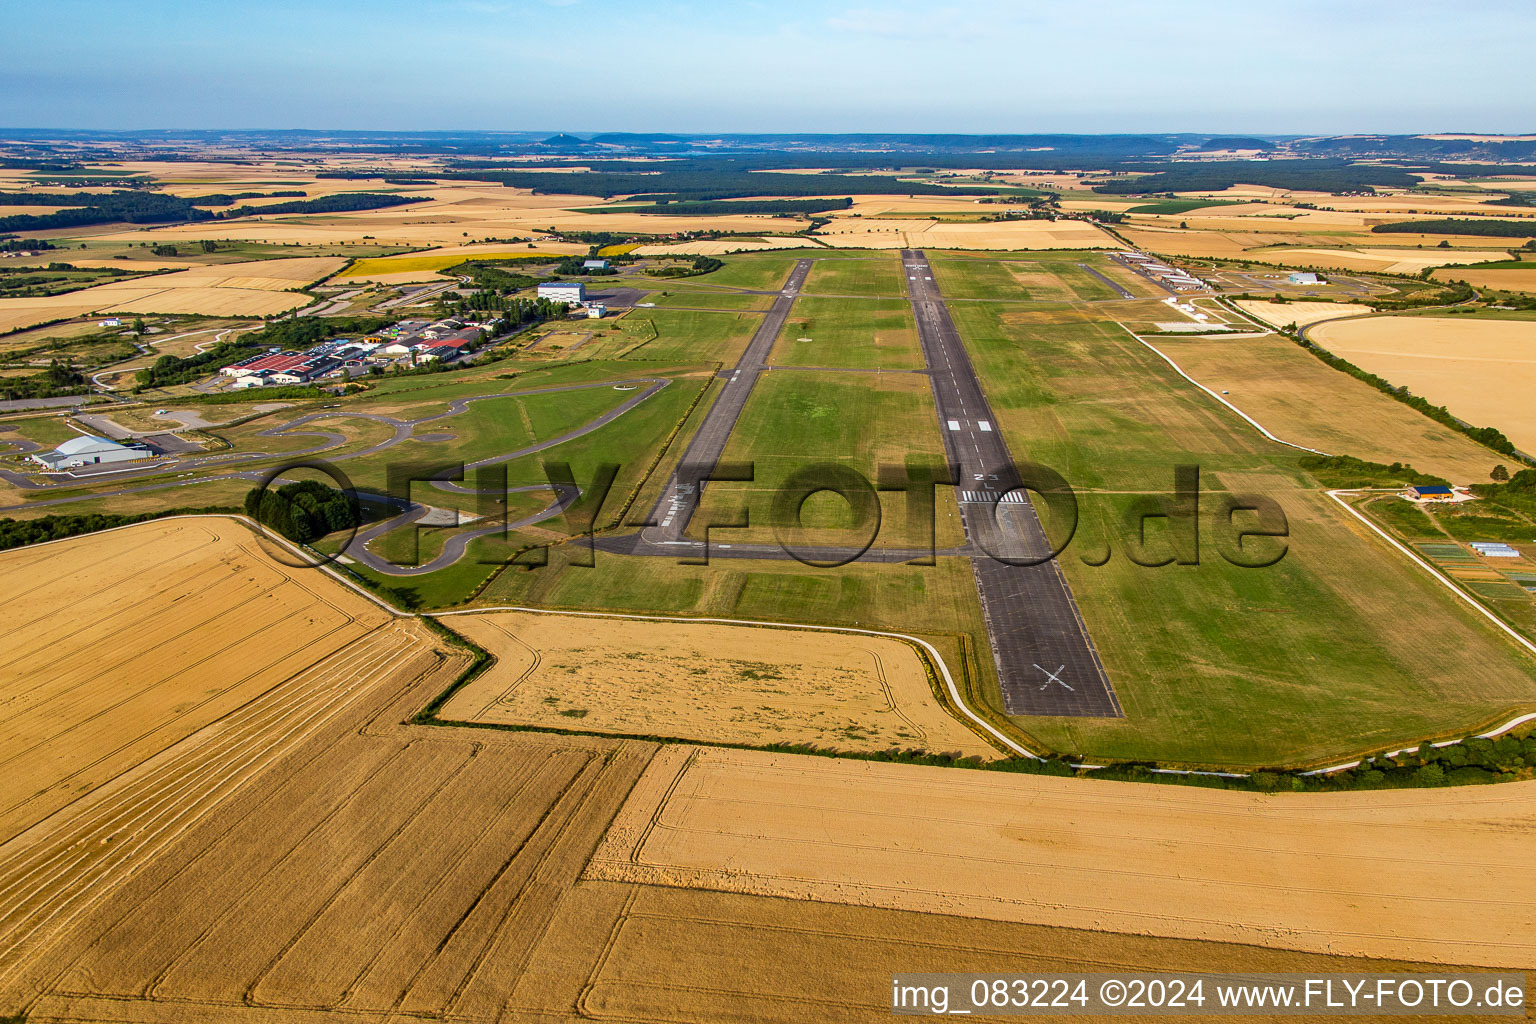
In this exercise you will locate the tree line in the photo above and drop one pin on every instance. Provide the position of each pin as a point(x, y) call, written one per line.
point(142, 207)
point(1486, 227)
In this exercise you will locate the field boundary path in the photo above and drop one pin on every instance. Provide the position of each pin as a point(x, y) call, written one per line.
point(1046, 661)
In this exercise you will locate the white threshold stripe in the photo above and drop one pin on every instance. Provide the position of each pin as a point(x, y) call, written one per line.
point(938, 659)
point(1246, 418)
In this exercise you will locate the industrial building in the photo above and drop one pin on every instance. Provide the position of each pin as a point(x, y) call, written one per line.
point(571, 292)
point(90, 450)
point(594, 265)
point(1301, 277)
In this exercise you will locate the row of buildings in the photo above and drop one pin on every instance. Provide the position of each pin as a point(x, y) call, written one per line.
point(409, 342)
point(1157, 270)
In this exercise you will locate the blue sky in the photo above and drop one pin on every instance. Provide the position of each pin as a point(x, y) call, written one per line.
point(654, 65)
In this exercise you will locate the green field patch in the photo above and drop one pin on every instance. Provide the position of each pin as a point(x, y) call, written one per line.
point(1312, 657)
point(1169, 206)
point(861, 334)
point(685, 335)
point(872, 276)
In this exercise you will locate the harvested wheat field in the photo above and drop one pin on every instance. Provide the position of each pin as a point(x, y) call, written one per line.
point(1279, 314)
point(1515, 279)
point(1389, 261)
point(257, 288)
point(1439, 876)
point(1301, 399)
point(1009, 235)
point(705, 681)
point(426, 266)
point(722, 246)
point(1483, 371)
point(155, 670)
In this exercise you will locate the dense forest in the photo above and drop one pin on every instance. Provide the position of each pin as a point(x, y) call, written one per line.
point(688, 180)
point(341, 202)
point(707, 207)
point(1460, 226)
point(230, 198)
point(141, 207)
point(1301, 175)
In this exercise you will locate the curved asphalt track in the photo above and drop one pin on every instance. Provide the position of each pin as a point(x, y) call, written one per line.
point(329, 440)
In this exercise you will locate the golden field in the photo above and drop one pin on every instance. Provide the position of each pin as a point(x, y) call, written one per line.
point(155, 671)
point(1434, 876)
point(256, 288)
point(1483, 371)
point(264, 836)
point(1301, 399)
point(705, 681)
point(1279, 314)
point(1514, 279)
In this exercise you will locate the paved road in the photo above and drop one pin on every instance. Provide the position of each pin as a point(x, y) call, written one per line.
point(679, 498)
point(1123, 291)
point(1046, 662)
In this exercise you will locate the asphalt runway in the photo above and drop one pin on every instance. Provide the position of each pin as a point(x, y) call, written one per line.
point(1046, 662)
point(680, 497)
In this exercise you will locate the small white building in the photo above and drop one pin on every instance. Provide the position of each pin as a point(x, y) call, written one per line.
point(571, 292)
point(89, 450)
point(595, 310)
point(1301, 277)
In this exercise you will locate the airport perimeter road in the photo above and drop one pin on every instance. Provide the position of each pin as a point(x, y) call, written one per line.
point(1046, 662)
point(680, 496)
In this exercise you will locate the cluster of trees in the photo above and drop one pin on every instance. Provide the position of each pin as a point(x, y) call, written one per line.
point(303, 510)
point(1347, 471)
point(24, 245)
point(1105, 216)
point(1486, 227)
point(700, 265)
point(571, 267)
point(61, 378)
point(492, 276)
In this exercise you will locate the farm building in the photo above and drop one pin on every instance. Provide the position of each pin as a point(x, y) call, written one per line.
point(89, 450)
point(573, 292)
point(1299, 277)
point(1430, 492)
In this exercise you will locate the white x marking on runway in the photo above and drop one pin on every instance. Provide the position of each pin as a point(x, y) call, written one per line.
point(1055, 677)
